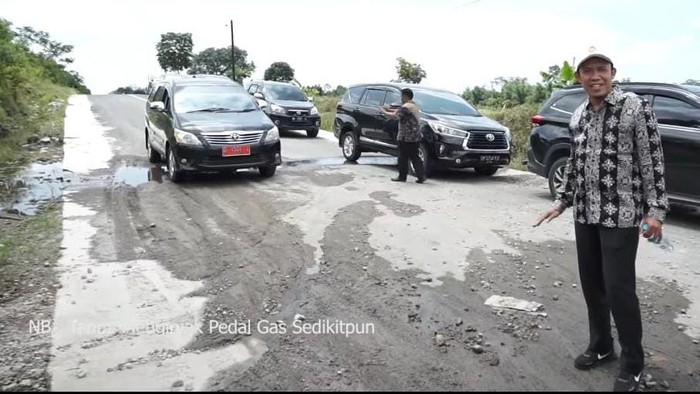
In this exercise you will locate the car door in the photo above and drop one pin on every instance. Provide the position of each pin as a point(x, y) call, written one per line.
point(679, 126)
point(168, 117)
point(345, 110)
point(390, 127)
point(155, 120)
point(367, 114)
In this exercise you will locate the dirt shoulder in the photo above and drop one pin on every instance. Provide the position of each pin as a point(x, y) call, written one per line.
point(30, 241)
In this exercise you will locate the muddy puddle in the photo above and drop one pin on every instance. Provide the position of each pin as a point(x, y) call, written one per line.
point(135, 176)
point(33, 187)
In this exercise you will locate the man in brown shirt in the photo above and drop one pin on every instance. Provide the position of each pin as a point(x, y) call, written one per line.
point(409, 136)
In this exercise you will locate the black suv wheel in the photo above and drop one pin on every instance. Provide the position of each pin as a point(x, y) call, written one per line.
point(351, 146)
point(556, 175)
point(312, 133)
point(425, 158)
point(267, 171)
point(153, 155)
point(174, 171)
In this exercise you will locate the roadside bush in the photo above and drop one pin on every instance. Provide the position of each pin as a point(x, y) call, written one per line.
point(326, 107)
point(28, 83)
point(519, 120)
point(326, 103)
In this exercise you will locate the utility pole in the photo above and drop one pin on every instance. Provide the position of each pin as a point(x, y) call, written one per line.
point(233, 56)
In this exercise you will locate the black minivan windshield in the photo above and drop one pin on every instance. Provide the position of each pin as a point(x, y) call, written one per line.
point(284, 92)
point(443, 103)
point(214, 98)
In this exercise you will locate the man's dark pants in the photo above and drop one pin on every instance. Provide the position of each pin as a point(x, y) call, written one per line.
point(606, 258)
point(409, 150)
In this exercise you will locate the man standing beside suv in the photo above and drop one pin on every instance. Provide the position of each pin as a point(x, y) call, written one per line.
point(615, 182)
point(409, 136)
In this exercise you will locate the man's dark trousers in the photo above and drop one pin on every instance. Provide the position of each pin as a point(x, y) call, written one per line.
point(606, 260)
point(409, 150)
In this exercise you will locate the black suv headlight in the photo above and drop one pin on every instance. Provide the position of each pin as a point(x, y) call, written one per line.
point(443, 129)
point(276, 109)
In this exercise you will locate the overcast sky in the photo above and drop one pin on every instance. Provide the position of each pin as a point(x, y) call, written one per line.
point(459, 43)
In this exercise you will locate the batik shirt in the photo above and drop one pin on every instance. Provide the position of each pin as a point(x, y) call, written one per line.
point(409, 122)
point(615, 173)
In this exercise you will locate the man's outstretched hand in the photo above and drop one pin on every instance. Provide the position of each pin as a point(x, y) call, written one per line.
point(550, 215)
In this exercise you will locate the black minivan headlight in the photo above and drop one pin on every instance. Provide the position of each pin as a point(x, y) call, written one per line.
point(272, 135)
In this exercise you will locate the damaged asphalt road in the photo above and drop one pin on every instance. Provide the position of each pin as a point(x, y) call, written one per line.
point(204, 285)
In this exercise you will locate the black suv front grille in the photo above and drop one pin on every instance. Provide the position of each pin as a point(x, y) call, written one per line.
point(480, 140)
point(298, 112)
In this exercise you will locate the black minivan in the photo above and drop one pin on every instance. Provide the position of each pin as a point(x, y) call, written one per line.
point(455, 134)
point(208, 123)
point(287, 106)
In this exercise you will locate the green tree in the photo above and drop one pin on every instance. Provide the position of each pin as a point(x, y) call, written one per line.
point(218, 61)
point(409, 72)
point(340, 90)
point(515, 91)
point(279, 71)
point(312, 91)
point(538, 94)
point(476, 96)
point(175, 51)
point(317, 90)
point(27, 37)
point(558, 77)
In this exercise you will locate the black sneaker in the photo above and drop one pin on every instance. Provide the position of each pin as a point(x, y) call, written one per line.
point(589, 359)
point(627, 381)
point(398, 179)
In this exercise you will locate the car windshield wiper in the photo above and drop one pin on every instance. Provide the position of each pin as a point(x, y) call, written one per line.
point(212, 109)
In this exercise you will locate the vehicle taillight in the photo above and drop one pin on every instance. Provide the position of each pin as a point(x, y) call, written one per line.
point(538, 120)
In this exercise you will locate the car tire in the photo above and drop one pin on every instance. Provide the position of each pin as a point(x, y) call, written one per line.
point(267, 171)
point(427, 161)
point(153, 155)
point(174, 171)
point(312, 133)
point(351, 146)
point(556, 175)
point(486, 171)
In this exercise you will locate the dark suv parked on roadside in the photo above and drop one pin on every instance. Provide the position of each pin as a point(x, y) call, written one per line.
point(455, 134)
point(287, 106)
point(208, 123)
point(677, 109)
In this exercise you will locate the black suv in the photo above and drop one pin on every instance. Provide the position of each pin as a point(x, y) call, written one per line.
point(677, 108)
point(455, 134)
point(208, 123)
point(287, 106)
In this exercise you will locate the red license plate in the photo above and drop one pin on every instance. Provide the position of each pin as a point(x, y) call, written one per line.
point(236, 150)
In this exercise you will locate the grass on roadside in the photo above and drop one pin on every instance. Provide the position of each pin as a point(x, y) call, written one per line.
point(519, 120)
point(26, 235)
point(326, 107)
point(28, 243)
point(43, 121)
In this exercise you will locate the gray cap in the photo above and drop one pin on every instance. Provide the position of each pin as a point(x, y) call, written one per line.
point(594, 56)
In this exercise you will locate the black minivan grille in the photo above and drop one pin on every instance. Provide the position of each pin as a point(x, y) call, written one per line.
point(481, 140)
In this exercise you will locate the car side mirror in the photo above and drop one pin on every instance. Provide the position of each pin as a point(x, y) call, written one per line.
point(311, 99)
point(259, 96)
point(157, 106)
